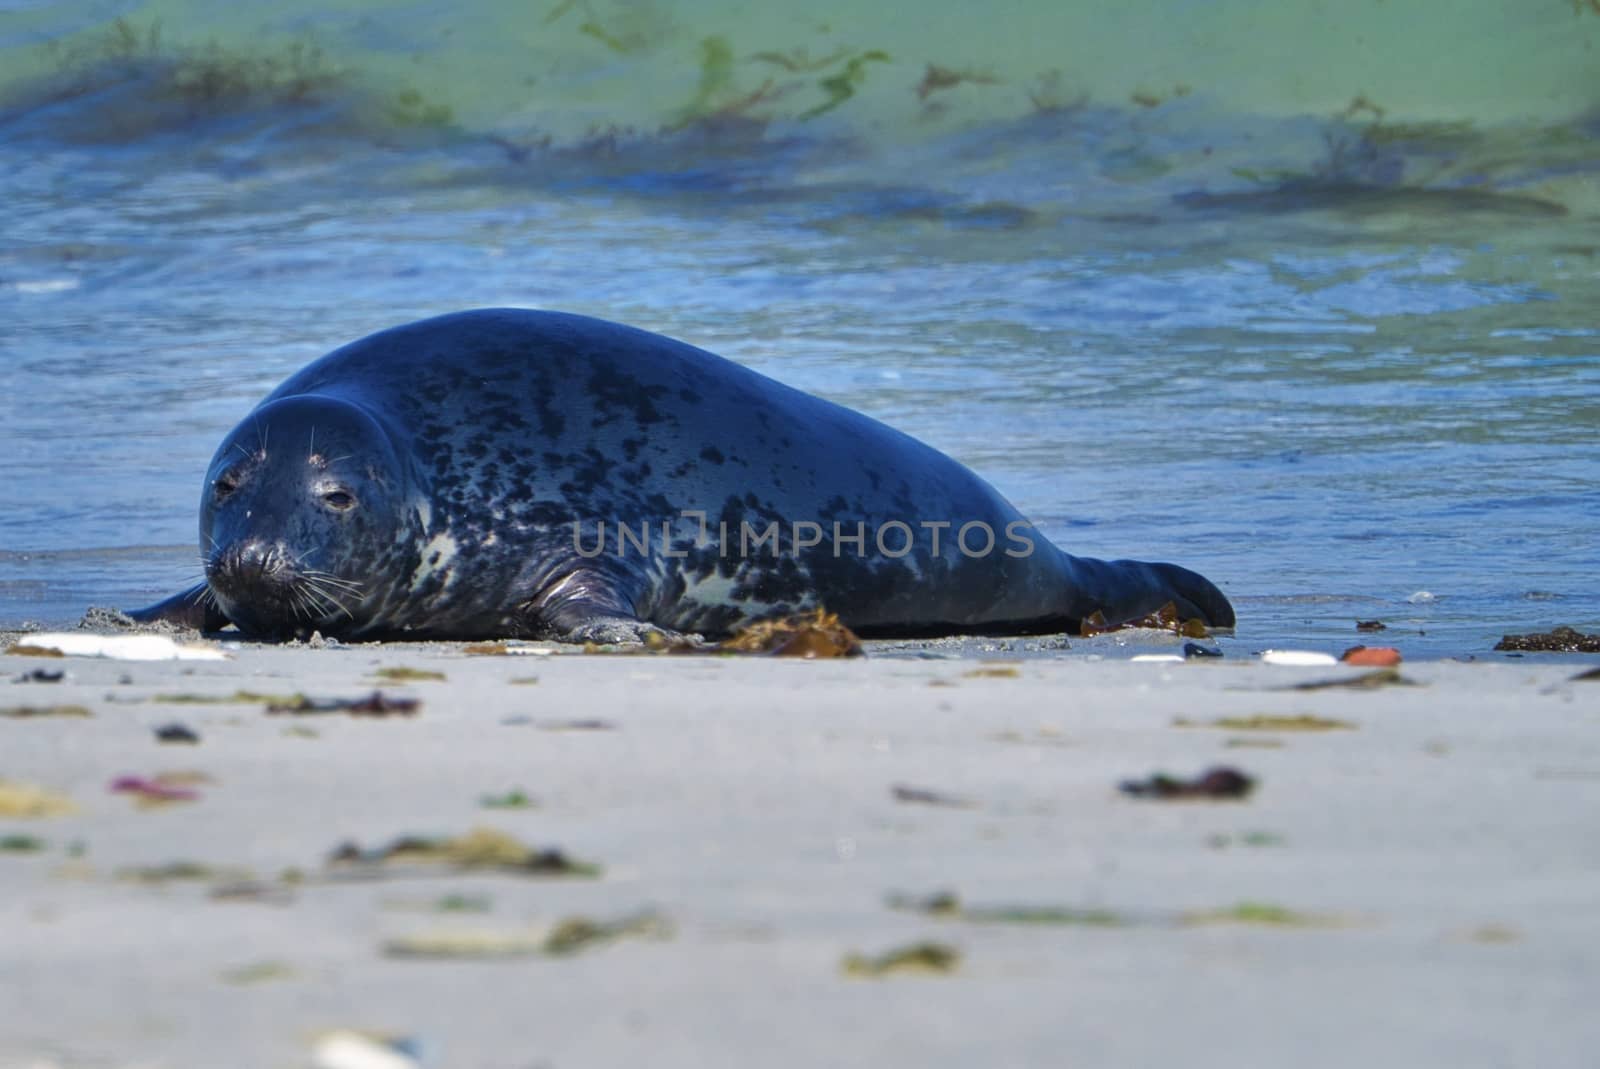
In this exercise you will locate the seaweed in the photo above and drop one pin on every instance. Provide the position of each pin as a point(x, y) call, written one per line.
point(155, 790)
point(927, 959)
point(566, 938)
point(624, 36)
point(1260, 913)
point(512, 799)
point(375, 704)
point(1165, 618)
point(1378, 677)
point(211, 76)
point(926, 796)
point(947, 905)
point(479, 849)
point(842, 86)
point(1268, 722)
point(29, 712)
point(21, 844)
point(818, 634)
point(1222, 783)
point(407, 675)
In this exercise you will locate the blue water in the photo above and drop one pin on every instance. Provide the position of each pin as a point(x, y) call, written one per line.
point(1345, 365)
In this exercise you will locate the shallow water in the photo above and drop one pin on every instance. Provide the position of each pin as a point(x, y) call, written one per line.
point(1346, 363)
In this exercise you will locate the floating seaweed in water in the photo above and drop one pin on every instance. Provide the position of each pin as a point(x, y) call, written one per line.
point(211, 75)
point(842, 86)
point(634, 28)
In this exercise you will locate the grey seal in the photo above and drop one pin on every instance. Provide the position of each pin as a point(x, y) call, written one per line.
point(514, 473)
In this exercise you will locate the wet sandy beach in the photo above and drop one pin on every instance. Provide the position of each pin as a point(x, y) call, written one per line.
point(567, 859)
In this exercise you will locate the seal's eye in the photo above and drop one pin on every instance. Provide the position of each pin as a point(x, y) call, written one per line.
point(225, 486)
point(339, 500)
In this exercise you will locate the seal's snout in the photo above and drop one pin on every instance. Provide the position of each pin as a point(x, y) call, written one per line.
point(252, 570)
point(252, 561)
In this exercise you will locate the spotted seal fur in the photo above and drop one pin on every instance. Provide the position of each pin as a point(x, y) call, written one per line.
point(505, 473)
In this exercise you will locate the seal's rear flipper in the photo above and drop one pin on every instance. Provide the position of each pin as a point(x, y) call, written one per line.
point(1196, 596)
point(192, 609)
point(1126, 590)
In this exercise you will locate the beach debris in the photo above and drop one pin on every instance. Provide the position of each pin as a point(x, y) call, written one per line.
point(567, 937)
point(916, 959)
point(247, 888)
point(1192, 650)
point(485, 649)
point(583, 724)
point(1260, 913)
point(115, 647)
point(1165, 618)
point(926, 796)
point(512, 799)
point(1556, 640)
point(478, 849)
point(24, 649)
point(40, 675)
point(258, 972)
point(1378, 677)
point(993, 670)
point(1494, 934)
point(947, 905)
point(177, 733)
point(375, 704)
point(1222, 782)
point(163, 789)
point(450, 903)
point(812, 636)
point(238, 697)
point(28, 800)
point(177, 871)
point(1222, 841)
point(1253, 744)
point(356, 1050)
point(21, 844)
point(1268, 722)
point(403, 674)
point(29, 712)
point(523, 681)
point(1371, 625)
point(1298, 658)
point(1371, 656)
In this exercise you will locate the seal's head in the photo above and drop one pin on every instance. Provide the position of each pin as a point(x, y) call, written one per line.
point(301, 501)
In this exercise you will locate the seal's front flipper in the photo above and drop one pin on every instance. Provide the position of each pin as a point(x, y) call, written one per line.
point(591, 606)
point(192, 609)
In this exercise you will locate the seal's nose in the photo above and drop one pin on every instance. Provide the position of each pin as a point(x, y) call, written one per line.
point(251, 564)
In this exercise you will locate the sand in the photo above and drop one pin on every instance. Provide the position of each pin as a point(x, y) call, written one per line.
point(1414, 885)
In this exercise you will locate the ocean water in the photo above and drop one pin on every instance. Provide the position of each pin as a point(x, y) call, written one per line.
point(1301, 296)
